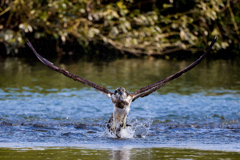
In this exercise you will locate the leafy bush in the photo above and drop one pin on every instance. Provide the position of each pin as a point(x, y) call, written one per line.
point(138, 27)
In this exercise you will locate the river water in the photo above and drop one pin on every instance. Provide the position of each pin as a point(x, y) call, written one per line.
point(47, 115)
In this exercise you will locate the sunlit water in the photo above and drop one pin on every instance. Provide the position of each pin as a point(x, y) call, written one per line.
point(200, 110)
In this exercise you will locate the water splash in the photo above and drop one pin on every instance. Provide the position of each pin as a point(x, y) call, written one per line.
point(141, 128)
point(135, 129)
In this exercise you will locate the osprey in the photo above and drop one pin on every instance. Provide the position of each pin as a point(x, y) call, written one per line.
point(121, 99)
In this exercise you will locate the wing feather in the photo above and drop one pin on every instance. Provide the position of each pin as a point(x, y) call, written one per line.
point(145, 91)
point(66, 73)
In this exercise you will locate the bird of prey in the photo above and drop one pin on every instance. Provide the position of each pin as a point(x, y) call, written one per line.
point(122, 99)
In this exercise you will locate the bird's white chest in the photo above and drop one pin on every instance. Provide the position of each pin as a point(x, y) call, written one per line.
point(120, 113)
point(121, 107)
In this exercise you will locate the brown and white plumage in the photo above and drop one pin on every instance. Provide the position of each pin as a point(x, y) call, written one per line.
point(120, 98)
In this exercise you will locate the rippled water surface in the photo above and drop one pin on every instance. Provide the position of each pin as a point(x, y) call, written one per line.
point(41, 109)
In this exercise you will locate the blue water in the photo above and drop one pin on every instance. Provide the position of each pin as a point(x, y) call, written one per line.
point(78, 117)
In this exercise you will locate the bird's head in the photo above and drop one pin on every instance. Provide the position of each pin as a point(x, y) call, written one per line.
point(120, 92)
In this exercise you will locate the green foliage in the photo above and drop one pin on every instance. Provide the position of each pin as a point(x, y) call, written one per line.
point(137, 27)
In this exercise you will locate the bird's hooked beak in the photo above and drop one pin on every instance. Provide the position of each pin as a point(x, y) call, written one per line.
point(121, 91)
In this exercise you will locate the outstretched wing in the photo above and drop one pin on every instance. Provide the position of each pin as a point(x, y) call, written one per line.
point(66, 73)
point(145, 91)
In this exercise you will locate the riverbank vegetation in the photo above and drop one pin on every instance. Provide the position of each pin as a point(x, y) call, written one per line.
point(135, 27)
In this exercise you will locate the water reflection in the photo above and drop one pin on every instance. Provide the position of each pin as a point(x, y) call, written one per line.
point(131, 74)
point(121, 153)
point(124, 153)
